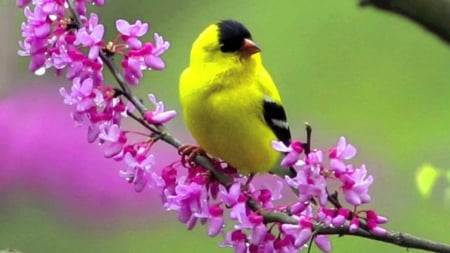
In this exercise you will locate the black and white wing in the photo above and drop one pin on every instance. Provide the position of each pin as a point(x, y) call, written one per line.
point(275, 117)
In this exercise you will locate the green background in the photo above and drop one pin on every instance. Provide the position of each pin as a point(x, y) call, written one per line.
point(378, 79)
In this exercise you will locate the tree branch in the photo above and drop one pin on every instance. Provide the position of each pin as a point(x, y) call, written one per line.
point(397, 238)
point(434, 15)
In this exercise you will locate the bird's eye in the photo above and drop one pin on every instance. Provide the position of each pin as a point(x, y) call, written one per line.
point(232, 35)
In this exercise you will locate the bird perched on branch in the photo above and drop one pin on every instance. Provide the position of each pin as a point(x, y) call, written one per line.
point(231, 105)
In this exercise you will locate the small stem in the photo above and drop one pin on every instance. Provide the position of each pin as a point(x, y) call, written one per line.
point(73, 12)
point(143, 123)
point(307, 145)
point(333, 199)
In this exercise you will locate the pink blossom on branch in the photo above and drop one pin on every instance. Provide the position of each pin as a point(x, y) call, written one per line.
point(91, 37)
point(53, 159)
point(159, 115)
point(52, 39)
point(130, 33)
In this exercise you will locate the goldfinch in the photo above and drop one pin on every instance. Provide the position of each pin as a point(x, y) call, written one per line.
point(230, 103)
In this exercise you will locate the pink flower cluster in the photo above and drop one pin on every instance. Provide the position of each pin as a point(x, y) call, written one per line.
point(54, 39)
point(197, 198)
point(314, 178)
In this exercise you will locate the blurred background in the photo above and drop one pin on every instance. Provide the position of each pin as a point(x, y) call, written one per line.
point(378, 79)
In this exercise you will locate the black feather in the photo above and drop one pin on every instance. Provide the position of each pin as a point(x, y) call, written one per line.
point(275, 117)
point(232, 35)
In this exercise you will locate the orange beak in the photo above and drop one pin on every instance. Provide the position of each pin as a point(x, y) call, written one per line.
point(249, 48)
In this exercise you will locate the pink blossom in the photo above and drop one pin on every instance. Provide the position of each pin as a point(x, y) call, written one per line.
point(130, 33)
point(82, 94)
point(136, 170)
point(38, 26)
point(190, 200)
point(216, 222)
point(161, 46)
point(132, 69)
point(338, 154)
point(323, 243)
point(230, 197)
point(258, 229)
point(113, 138)
point(293, 152)
point(253, 223)
point(325, 215)
point(238, 211)
point(300, 233)
point(373, 221)
point(35, 34)
point(22, 3)
point(154, 51)
point(37, 60)
point(341, 217)
point(140, 59)
point(343, 150)
point(267, 194)
point(92, 39)
point(309, 186)
point(354, 225)
point(81, 5)
point(236, 239)
point(169, 175)
point(158, 116)
point(151, 60)
point(265, 246)
point(356, 186)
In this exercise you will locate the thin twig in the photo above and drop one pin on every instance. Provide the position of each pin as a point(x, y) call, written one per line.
point(397, 238)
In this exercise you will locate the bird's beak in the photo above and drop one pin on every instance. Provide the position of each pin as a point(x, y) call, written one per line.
point(249, 48)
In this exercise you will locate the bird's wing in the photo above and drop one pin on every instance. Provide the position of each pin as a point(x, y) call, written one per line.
point(275, 118)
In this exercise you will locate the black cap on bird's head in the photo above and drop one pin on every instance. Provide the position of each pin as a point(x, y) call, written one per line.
point(235, 37)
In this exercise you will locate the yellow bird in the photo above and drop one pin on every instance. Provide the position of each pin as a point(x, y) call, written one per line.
point(230, 103)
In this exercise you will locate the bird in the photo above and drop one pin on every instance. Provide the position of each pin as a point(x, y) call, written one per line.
point(230, 103)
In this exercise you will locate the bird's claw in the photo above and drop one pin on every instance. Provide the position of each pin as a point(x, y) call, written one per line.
point(188, 154)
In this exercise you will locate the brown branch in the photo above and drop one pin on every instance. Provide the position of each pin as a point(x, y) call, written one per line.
point(400, 239)
point(269, 216)
point(397, 238)
point(434, 15)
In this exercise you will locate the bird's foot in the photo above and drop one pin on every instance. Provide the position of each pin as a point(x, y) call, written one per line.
point(188, 154)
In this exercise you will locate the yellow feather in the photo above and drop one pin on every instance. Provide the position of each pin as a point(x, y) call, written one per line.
point(222, 97)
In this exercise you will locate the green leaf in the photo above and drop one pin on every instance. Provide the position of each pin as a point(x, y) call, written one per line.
point(426, 177)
